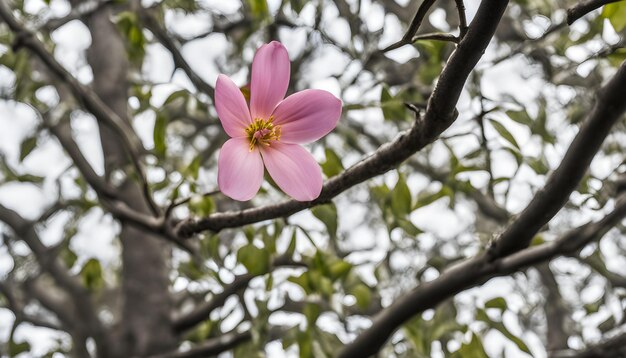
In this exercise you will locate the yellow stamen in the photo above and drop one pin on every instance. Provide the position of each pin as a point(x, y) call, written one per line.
point(262, 131)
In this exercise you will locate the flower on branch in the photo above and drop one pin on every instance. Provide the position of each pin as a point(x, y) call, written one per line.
point(269, 134)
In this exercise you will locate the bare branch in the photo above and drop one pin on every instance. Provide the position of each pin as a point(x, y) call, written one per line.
point(200, 313)
point(460, 6)
point(612, 347)
point(608, 109)
point(18, 309)
point(128, 137)
point(413, 27)
point(557, 313)
point(215, 346)
point(440, 114)
point(50, 264)
point(584, 7)
point(470, 273)
point(179, 60)
point(82, 10)
point(109, 196)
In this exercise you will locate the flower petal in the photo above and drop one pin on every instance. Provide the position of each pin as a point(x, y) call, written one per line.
point(307, 116)
point(239, 170)
point(270, 79)
point(294, 170)
point(231, 107)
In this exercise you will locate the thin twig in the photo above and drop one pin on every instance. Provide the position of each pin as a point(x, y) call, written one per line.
point(413, 27)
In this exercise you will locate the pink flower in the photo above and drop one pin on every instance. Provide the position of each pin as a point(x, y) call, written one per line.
point(270, 133)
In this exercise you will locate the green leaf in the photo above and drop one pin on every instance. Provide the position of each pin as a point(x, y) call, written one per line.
point(258, 8)
point(473, 349)
point(29, 178)
point(339, 269)
point(201, 205)
point(292, 244)
point(481, 315)
point(520, 117)
point(497, 302)
point(27, 146)
point(393, 109)
point(129, 25)
point(363, 295)
point(305, 344)
point(607, 325)
point(191, 270)
point(174, 96)
point(616, 13)
point(91, 274)
point(302, 281)
point(617, 58)
point(311, 312)
point(18, 348)
point(401, 198)
point(426, 197)
point(68, 256)
point(539, 165)
point(504, 133)
point(327, 214)
point(297, 5)
point(408, 227)
point(194, 167)
point(160, 130)
point(332, 166)
point(256, 260)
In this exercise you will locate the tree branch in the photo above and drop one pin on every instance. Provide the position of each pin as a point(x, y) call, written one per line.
point(201, 312)
point(215, 346)
point(612, 347)
point(17, 308)
point(85, 9)
point(109, 196)
point(470, 273)
point(413, 27)
point(440, 114)
point(608, 109)
point(584, 7)
point(179, 60)
point(556, 311)
point(50, 264)
point(83, 93)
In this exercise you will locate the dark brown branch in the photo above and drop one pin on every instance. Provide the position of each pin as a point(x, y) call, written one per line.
point(437, 36)
point(201, 312)
point(584, 7)
point(62, 132)
point(557, 313)
point(179, 60)
point(608, 109)
point(460, 6)
point(83, 10)
point(215, 346)
point(109, 196)
point(612, 347)
point(440, 114)
point(17, 308)
point(413, 27)
point(84, 94)
point(470, 273)
point(50, 264)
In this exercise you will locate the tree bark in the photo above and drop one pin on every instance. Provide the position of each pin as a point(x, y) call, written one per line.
point(145, 326)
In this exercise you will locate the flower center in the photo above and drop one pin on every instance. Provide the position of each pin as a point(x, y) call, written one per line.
point(262, 131)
